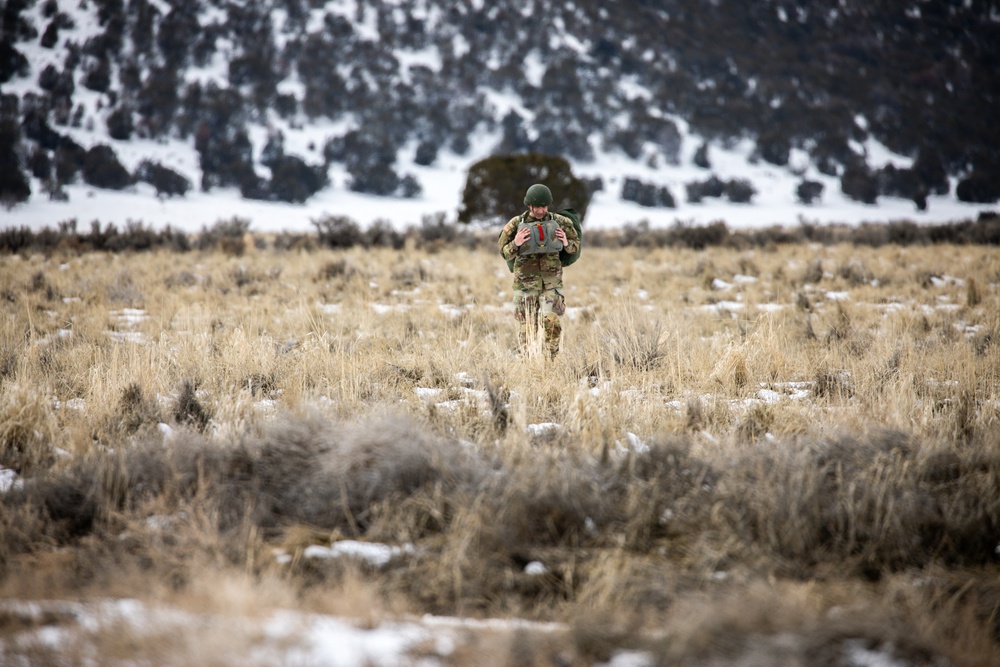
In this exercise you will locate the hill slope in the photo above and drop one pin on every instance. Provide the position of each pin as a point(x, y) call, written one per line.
point(282, 100)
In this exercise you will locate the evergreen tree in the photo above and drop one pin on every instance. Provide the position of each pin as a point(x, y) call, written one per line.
point(14, 185)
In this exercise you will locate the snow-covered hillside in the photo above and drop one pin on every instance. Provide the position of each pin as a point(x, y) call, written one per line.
point(386, 105)
point(442, 188)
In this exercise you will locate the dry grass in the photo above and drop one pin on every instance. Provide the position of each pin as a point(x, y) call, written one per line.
point(778, 453)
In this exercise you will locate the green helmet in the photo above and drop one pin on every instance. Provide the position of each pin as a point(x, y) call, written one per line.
point(538, 195)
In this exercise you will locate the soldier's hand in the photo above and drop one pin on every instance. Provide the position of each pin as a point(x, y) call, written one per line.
point(522, 235)
point(561, 235)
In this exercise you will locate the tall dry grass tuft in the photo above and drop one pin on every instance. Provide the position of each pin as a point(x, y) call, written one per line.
point(188, 409)
point(954, 611)
point(732, 371)
point(629, 340)
point(309, 471)
point(136, 411)
point(809, 624)
point(662, 493)
point(866, 502)
point(28, 429)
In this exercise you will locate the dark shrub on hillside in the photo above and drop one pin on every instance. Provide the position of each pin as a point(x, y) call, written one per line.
point(877, 235)
point(293, 180)
point(14, 186)
point(51, 35)
point(459, 142)
point(337, 231)
point(701, 157)
point(36, 127)
point(647, 194)
point(859, 184)
point(680, 234)
point(409, 187)
point(341, 147)
point(767, 237)
point(102, 169)
point(286, 105)
point(40, 164)
point(740, 191)
point(273, 150)
point(376, 178)
point(16, 239)
point(224, 234)
point(931, 172)
point(662, 132)
point(699, 237)
point(562, 140)
point(137, 236)
point(809, 191)
point(628, 141)
point(253, 186)
point(773, 148)
point(98, 77)
point(979, 188)
point(60, 86)
point(435, 232)
point(226, 158)
point(381, 234)
point(426, 153)
point(710, 187)
point(48, 78)
point(368, 155)
point(514, 138)
point(594, 184)
point(76, 120)
point(218, 119)
point(69, 158)
point(12, 62)
point(905, 183)
point(166, 181)
point(830, 153)
point(120, 125)
point(495, 186)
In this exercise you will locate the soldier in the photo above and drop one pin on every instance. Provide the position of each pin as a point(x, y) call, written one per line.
point(533, 241)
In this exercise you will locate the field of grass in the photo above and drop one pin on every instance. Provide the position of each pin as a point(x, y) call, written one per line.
point(785, 454)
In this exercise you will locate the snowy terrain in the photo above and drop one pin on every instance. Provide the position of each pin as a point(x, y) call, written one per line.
point(443, 183)
point(444, 180)
point(284, 637)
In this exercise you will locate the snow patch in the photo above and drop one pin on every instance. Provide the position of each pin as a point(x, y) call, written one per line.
point(535, 568)
point(543, 429)
point(374, 554)
point(9, 480)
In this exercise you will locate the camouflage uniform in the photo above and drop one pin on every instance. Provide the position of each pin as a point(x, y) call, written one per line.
point(538, 281)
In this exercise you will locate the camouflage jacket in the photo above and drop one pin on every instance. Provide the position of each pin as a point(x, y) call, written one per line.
point(538, 272)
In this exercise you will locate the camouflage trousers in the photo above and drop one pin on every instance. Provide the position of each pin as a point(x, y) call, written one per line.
point(532, 308)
